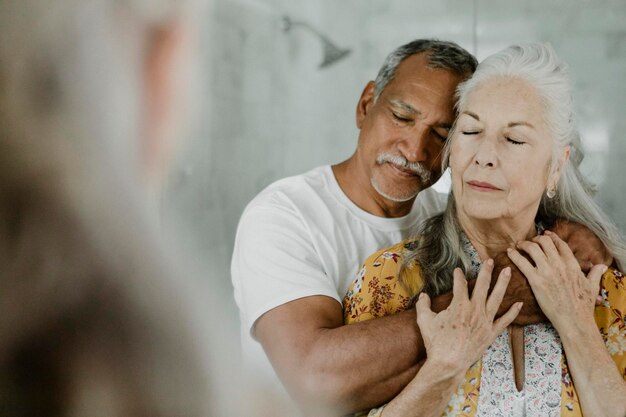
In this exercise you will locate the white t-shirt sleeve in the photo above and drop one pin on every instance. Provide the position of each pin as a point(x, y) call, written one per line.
point(274, 262)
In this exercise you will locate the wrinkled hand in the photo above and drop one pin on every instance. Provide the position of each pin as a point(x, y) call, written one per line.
point(587, 248)
point(458, 336)
point(564, 293)
point(517, 290)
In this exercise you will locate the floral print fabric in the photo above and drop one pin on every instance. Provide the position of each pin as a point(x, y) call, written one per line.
point(541, 394)
point(376, 292)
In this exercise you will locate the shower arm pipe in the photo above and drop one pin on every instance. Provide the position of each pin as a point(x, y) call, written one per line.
point(289, 24)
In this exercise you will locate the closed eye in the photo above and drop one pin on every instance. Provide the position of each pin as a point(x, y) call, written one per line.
point(400, 118)
point(440, 136)
point(471, 132)
point(514, 142)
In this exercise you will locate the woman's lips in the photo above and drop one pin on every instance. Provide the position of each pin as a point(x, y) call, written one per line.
point(482, 186)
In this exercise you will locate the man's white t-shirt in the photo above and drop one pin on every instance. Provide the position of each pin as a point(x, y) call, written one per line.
point(302, 236)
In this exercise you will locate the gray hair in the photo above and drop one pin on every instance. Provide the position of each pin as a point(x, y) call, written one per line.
point(95, 314)
point(441, 54)
point(66, 65)
point(438, 249)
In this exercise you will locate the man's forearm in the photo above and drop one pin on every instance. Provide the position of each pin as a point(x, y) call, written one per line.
point(352, 367)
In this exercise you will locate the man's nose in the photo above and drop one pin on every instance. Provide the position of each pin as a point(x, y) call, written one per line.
point(414, 145)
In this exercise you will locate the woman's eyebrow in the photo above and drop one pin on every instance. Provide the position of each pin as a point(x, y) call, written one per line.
point(510, 124)
point(515, 124)
point(470, 114)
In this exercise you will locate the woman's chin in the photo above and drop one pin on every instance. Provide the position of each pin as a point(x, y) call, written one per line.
point(481, 212)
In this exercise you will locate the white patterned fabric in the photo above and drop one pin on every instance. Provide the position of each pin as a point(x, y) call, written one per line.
point(541, 394)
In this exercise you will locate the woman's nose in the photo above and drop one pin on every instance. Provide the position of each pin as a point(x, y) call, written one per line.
point(485, 155)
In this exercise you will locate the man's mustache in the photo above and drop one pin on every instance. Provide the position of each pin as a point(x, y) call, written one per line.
point(416, 168)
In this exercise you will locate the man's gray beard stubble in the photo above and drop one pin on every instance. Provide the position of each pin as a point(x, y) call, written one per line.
point(415, 167)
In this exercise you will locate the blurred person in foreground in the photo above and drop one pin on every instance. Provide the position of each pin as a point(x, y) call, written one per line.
point(97, 317)
point(510, 156)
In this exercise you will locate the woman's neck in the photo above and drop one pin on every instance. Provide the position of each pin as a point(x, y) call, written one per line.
point(492, 237)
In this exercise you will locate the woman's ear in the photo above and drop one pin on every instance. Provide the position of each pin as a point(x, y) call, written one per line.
point(558, 169)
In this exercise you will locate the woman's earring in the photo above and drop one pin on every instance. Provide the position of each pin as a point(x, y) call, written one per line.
point(551, 192)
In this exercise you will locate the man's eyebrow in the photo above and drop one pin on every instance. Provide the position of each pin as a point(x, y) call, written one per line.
point(407, 107)
point(404, 106)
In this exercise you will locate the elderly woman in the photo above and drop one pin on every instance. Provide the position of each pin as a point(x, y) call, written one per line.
point(509, 154)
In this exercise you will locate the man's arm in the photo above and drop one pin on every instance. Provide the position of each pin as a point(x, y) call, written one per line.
point(340, 368)
point(293, 309)
point(587, 248)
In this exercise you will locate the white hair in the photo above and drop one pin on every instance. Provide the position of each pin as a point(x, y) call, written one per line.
point(541, 67)
point(538, 64)
point(439, 249)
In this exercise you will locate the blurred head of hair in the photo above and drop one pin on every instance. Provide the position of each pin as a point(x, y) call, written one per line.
point(96, 316)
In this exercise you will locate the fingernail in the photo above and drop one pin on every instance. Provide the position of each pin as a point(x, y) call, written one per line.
point(421, 296)
point(604, 268)
point(547, 232)
point(519, 305)
point(507, 271)
point(490, 262)
point(509, 250)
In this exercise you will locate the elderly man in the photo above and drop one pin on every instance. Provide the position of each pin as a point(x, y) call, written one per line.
point(300, 241)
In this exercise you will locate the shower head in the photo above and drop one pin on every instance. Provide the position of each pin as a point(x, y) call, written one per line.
point(332, 53)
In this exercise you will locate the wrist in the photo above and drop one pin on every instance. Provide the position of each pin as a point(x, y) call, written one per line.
point(443, 370)
point(576, 330)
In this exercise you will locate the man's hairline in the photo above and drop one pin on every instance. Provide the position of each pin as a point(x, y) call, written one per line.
point(429, 65)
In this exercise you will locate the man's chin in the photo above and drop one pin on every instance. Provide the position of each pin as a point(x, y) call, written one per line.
point(400, 199)
point(394, 195)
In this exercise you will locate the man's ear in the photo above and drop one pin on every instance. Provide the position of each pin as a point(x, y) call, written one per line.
point(365, 102)
point(164, 69)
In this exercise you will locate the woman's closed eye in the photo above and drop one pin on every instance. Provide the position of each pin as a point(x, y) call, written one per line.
point(470, 132)
point(514, 142)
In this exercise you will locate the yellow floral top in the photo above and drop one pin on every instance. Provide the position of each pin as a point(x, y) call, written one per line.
point(376, 292)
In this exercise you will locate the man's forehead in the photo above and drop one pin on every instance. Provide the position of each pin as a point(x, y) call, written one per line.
point(418, 65)
point(414, 109)
point(420, 82)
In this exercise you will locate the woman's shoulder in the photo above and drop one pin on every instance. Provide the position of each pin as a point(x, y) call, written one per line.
point(392, 252)
point(376, 291)
point(613, 289)
point(388, 262)
point(613, 281)
point(610, 316)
